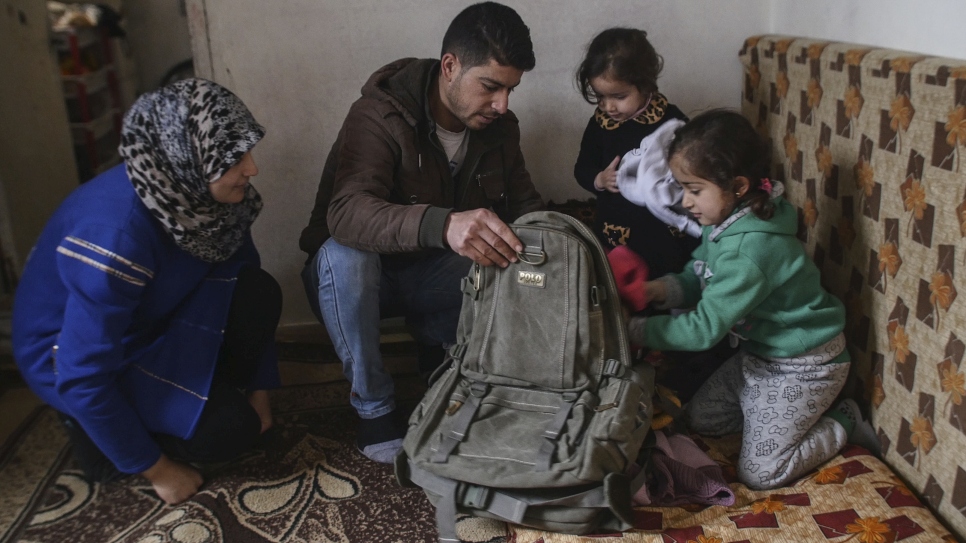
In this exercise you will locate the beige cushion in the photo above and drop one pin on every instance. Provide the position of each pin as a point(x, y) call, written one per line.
point(870, 144)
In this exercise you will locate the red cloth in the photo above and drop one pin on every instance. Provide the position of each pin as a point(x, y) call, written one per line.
point(630, 272)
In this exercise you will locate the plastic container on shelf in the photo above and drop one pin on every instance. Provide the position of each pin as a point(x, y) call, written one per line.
point(95, 144)
point(89, 96)
point(80, 50)
point(91, 92)
point(87, 82)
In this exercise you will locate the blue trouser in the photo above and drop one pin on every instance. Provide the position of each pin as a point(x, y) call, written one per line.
point(350, 291)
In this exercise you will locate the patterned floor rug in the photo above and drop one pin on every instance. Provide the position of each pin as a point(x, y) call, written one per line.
point(307, 483)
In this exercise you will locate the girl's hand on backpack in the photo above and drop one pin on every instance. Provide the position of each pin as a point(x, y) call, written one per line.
point(607, 179)
point(655, 292)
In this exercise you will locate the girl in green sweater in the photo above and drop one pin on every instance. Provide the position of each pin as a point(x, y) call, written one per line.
point(750, 279)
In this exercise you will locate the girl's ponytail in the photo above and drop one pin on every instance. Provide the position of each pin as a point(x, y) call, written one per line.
point(759, 199)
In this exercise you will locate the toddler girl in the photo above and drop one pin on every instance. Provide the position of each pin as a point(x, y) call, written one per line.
point(752, 280)
point(619, 75)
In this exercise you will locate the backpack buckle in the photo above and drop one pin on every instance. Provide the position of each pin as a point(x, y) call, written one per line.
point(613, 368)
point(533, 252)
point(534, 258)
point(475, 496)
point(560, 418)
point(479, 389)
point(470, 285)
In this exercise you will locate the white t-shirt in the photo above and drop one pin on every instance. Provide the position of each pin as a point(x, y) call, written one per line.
point(454, 143)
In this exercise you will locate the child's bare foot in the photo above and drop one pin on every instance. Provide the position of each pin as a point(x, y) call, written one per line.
point(259, 400)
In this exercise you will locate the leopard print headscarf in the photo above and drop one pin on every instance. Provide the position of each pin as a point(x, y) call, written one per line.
point(177, 140)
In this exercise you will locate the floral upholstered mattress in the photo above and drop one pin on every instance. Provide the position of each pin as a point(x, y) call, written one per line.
point(854, 497)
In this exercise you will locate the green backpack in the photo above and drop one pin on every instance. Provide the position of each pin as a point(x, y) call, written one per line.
point(539, 410)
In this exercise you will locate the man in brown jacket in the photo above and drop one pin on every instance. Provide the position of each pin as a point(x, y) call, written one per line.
point(421, 181)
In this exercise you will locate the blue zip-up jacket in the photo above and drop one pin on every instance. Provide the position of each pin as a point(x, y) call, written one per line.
point(118, 327)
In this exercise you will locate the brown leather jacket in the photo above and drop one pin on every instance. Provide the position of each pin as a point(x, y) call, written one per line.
point(386, 185)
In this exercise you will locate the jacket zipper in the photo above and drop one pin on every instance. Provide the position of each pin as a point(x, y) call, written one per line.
point(475, 175)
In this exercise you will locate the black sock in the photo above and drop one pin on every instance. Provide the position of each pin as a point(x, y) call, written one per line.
point(380, 429)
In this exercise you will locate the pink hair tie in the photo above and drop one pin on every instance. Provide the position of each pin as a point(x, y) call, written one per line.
point(766, 185)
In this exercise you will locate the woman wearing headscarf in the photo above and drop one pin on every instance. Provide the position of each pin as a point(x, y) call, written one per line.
point(143, 316)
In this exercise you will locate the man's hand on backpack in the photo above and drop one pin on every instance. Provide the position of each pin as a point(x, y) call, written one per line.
point(481, 236)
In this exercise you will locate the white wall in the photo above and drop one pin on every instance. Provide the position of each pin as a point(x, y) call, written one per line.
point(299, 64)
point(158, 36)
point(933, 27)
point(552, 113)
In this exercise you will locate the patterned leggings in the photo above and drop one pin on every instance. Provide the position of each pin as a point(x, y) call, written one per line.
point(777, 404)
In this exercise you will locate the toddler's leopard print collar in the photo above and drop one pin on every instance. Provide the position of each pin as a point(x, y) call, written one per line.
point(654, 113)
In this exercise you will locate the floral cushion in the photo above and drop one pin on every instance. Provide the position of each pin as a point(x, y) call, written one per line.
point(854, 497)
point(869, 143)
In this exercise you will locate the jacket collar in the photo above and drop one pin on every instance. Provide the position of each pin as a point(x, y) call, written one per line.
point(784, 220)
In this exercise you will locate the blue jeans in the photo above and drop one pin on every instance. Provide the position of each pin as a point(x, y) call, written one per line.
point(350, 291)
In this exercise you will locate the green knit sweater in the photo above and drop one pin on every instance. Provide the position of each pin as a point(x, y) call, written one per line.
point(753, 278)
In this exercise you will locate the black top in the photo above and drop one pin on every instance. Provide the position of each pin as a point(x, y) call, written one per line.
point(618, 221)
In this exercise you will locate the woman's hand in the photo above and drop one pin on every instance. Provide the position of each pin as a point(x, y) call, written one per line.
point(173, 481)
point(607, 179)
point(655, 292)
point(259, 401)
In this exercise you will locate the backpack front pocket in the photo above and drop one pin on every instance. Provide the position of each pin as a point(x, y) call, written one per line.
point(524, 437)
point(537, 318)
